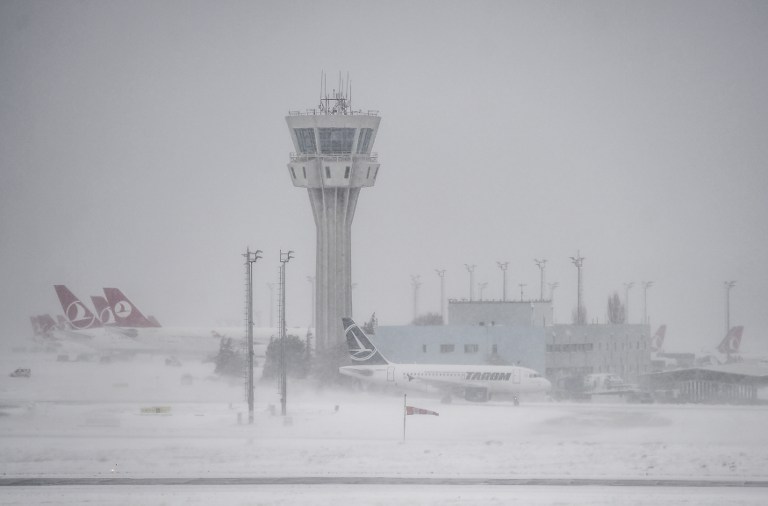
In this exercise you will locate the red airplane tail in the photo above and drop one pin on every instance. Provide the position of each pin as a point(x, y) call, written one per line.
point(106, 315)
point(79, 316)
point(126, 313)
point(731, 342)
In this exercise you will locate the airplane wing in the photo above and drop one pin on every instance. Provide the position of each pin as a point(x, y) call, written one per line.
point(438, 383)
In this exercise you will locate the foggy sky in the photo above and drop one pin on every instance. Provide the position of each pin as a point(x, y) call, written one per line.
point(144, 146)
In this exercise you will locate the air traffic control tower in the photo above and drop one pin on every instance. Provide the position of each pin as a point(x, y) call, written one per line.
point(333, 160)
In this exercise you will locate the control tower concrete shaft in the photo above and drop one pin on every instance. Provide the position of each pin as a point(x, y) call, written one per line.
point(333, 160)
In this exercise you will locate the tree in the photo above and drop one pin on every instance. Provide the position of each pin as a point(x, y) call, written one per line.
point(616, 312)
point(295, 358)
point(229, 361)
point(428, 319)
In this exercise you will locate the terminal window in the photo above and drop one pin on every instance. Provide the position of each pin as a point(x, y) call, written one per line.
point(336, 140)
point(446, 348)
point(471, 348)
point(423, 348)
point(346, 173)
point(306, 138)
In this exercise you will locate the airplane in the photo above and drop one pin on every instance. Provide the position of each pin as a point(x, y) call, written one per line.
point(729, 347)
point(125, 312)
point(475, 383)
point(104, 310)
point(78, 315)
point(106, 330)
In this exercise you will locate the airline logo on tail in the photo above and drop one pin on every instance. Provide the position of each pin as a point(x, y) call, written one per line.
point(731, 342)
point(77, 313)
point(126, 313)
point(105, 313)
point(123, 309)
point(361, 349)
point(657, 342)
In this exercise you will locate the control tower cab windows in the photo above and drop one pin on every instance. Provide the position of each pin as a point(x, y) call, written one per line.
point(336, 140)
point(306, 138)
point(364, 140)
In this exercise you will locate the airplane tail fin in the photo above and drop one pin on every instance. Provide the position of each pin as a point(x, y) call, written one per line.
point(106, 315)
point(657, 342)
point(126, 313)
point(47, 323)
point(361, 350)
point(731, 341)
point(79, 316)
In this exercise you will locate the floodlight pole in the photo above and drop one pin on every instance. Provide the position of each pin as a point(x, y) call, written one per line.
point(441, 273)
point(503, 266)
point(627, 287)
point(521, 285)
point(416, 283)
point(552, 287)
point(728, 286)
point(471, 270)
point(482, 286)
point(578, 261)
point(250, 258)
point(646, 286)
point(542, 264)
point(284, 258)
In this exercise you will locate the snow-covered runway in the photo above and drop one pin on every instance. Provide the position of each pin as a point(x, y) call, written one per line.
point(90, 421)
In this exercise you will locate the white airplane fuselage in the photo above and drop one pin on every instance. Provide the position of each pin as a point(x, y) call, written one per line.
point(473, 380)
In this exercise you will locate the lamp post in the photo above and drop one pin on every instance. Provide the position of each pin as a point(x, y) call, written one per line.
point(627, 287)
point(646, 286)
point(728, 286)
point(471, 270)
point(250, 258)
point(284, 259)
point(503, 266)
point(578, 261)
point(416, 283)
point(482, 286)
point(521, 285)
point(542, 264)
point(552, 287)
point(441, 273)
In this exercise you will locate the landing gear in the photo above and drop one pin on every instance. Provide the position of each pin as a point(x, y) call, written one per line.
point(516, 400)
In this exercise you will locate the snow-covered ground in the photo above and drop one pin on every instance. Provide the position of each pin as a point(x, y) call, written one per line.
point(86, 419)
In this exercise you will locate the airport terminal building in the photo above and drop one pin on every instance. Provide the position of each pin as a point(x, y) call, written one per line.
point(521, 333)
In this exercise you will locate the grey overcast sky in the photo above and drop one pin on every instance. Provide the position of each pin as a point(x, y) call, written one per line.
point(143, 145)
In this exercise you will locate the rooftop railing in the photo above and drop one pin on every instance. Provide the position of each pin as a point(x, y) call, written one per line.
point(335, 157)
point(318, 112)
